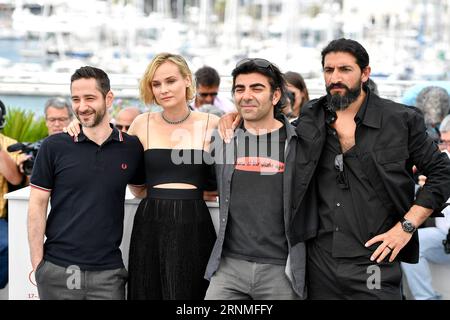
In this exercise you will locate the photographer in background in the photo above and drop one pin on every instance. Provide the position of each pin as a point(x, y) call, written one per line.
point(296, 85)
point(9, 175)
point(286, 109)
point(58, 114)
point(431, 247)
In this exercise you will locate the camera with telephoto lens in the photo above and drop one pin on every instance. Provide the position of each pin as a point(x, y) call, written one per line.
point(30, 149)
point(446, 243)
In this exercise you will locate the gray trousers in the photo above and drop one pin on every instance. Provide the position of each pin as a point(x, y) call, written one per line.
point(59, 283)
point(244, 280)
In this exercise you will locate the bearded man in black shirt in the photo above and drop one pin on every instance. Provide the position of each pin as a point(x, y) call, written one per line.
point(354, 187)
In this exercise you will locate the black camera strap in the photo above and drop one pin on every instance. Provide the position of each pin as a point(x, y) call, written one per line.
point(446, 243)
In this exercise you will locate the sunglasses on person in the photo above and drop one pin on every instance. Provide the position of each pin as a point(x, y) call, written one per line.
point(120, 127)
point(259, 62)
point(341, 177)
point(206, 94)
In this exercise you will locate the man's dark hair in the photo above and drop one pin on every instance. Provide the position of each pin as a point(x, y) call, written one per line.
point(268, 69)
point(207, 76)
point(372, 86)
point(350, 46)
point(99, 75)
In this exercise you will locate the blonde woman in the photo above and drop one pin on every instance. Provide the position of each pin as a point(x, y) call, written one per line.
point(173, 234)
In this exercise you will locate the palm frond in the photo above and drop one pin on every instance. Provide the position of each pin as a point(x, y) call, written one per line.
point(24, 126)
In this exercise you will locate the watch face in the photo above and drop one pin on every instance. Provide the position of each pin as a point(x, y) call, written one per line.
point(408, 226)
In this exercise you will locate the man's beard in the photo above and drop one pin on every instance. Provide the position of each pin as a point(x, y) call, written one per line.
point(99, 115)
point(340, 103)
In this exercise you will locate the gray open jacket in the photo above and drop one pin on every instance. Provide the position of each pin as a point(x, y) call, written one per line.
point(225, 157)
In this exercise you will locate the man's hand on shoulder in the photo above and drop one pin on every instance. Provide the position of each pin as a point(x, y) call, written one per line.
point(227, 124)
point(73, 129)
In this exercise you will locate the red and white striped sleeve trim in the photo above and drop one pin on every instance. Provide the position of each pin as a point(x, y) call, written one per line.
point(40, 188)
point(137, 185)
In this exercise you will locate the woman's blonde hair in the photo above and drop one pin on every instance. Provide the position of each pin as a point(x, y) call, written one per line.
point(146, 82)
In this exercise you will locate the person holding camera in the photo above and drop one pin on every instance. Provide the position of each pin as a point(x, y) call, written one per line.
point(297, 92)
point(26, 157)
point(431, 249)
point(9, 175)
point(58, 115)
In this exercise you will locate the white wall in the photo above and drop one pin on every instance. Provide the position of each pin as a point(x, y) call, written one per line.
point(21, 278)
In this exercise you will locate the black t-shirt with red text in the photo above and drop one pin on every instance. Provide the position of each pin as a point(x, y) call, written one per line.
point(255, 229)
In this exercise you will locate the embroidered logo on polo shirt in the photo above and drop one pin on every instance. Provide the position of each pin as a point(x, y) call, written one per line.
point(124, 166)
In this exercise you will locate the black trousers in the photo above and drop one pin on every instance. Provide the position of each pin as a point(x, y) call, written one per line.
point(357, 278)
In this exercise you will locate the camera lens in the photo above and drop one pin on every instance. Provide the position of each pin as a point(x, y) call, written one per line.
point(28, 166)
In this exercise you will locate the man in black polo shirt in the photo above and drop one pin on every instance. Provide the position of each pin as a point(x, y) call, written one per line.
point(85, 179)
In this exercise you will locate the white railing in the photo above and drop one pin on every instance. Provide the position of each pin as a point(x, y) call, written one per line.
point(127, 85)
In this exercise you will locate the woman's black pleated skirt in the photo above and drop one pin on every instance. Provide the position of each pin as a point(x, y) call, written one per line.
point(169, 249)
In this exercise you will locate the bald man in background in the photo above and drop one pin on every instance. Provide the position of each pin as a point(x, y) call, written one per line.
point(125, 117)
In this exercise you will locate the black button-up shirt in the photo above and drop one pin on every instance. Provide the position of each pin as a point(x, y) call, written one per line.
point(347, 201)
point(390, 138)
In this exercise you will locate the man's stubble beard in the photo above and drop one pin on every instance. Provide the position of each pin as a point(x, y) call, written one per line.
point(97, 119)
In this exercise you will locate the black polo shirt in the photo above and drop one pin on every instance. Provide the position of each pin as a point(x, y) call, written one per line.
point(87, 184)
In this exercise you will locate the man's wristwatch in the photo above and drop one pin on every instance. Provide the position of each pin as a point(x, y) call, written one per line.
point(408, 226)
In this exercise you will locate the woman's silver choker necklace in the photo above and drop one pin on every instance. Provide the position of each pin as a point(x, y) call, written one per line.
point(178, 121)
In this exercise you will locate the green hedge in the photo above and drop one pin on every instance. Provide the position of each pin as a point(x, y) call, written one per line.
point(24, 126)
